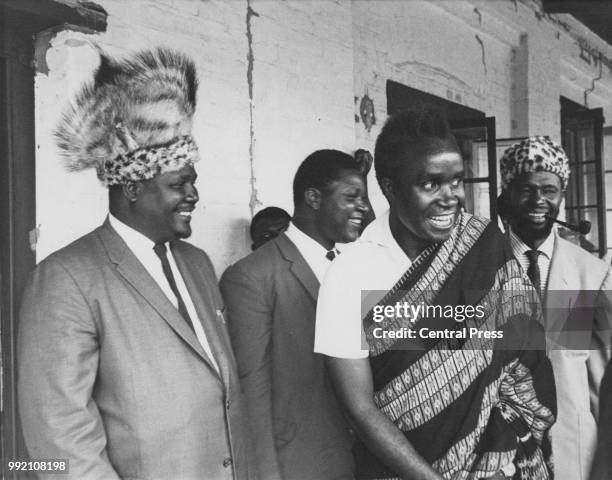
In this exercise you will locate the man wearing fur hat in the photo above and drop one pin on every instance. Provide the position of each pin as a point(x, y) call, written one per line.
point(125, 366)
point(535, 175)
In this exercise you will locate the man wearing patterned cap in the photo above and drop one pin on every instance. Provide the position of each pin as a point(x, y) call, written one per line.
point(535, 175)
point(125, 365)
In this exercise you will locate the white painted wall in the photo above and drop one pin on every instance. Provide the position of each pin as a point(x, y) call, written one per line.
point(313, 60)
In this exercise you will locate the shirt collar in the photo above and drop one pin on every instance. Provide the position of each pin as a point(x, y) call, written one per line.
point(133, 238)
point(519, 247)
point(379, 232)
point(304, 243)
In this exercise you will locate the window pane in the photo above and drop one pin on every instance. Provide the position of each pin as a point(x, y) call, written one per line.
point(587, 184)
point(473, 146)
point(609, 230)
point(607, 150)
point(571, 195)
point(609, 191)
point(477, 199)
point(592, 238)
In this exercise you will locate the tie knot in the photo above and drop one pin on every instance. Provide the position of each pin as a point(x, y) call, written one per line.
point(331, 254)
point(533, 255)
point(160, 249)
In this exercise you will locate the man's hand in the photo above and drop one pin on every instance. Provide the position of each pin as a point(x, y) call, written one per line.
point(352, 379)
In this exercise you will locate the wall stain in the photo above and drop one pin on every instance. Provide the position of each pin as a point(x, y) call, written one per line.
point(482, 47)
point(435, 70)
point(592, 55)
point(254, 201)
point(597, 78)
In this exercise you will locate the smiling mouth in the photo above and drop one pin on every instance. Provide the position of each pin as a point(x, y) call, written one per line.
point(355, 221)
point(442, 221)
point(537, 217)
point(186, 215)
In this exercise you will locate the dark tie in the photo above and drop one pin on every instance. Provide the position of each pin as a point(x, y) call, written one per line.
point(533, 272)
point(331, 254)
point(160, 250)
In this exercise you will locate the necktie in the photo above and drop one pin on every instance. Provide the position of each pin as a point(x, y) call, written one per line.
point(160, 251)
point(533, 272)
point(331, 254)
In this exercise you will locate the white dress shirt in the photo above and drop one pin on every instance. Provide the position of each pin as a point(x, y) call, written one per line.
point(519, 249)
point(356, 281)
point(142, 247)
point(312, 251)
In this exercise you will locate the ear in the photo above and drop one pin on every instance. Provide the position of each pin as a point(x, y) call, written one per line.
point(131, 190)
point(388, 189)
point(312, 198)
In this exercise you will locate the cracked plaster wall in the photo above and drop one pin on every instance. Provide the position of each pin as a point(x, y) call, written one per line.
point(503, 57)
point(275, 84)
point(285, 78)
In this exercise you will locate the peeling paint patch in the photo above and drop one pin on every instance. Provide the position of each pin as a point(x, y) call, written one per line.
point(75, 43)
point(254, 201)
point(42, 44)
point(33, 237)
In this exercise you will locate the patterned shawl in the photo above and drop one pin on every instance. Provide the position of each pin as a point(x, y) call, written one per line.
point(469, 406)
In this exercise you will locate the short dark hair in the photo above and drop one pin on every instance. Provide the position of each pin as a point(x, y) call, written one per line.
point(423, 130)
point(273, 213)
point(319, 170)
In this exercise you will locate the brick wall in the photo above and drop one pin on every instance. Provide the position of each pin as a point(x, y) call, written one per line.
point(279, 79)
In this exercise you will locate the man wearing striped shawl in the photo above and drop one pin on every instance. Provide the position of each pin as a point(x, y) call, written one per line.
point(432, 333)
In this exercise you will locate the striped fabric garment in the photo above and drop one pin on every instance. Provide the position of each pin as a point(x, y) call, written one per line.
point(470, 406)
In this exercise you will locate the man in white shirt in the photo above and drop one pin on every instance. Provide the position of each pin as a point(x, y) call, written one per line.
point(432, 408)
point(125, 364)
point(271, 296)
point(535, 175)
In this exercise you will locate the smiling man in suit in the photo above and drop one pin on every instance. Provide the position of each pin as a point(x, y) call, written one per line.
point(125, 364)
point(271, 296)
point(535, 175)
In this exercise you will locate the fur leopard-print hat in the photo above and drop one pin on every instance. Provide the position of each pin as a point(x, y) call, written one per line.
point(534, 154)
point(133, 121)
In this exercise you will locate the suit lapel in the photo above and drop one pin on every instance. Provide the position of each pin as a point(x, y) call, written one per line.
point(561, 267)
point(299, 267)
point(130, 268)
point(559, 299)
point(199, 288)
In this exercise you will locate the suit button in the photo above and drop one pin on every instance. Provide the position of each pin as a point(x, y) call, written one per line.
point(227, 462)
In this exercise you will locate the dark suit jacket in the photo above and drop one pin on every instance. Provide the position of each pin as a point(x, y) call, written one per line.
point(113, 379)
point(298, 430)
